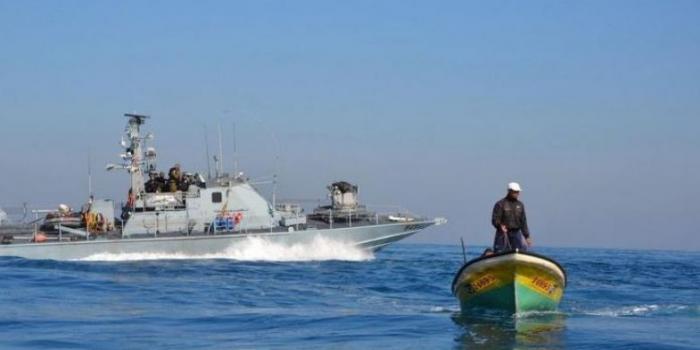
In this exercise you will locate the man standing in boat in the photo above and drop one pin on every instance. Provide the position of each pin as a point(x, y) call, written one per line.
point(510, 222)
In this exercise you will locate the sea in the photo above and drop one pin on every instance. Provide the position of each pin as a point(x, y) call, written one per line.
point(328, 295)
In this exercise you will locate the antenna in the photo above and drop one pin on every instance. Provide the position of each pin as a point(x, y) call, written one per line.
point(89, 170)
point(139, 118)
point(276, 169)
point(274, 191)
point(206, 146)
point(216, 165)
point(274, 178)
point(221, 152)
point(235, 150)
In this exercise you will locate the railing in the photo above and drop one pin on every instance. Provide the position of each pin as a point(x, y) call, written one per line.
point(353, 216)
point(17, 215)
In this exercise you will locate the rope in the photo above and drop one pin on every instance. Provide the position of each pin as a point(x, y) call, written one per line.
point(506, 240)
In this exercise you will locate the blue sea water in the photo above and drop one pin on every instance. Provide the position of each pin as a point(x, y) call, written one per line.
point(396, 298)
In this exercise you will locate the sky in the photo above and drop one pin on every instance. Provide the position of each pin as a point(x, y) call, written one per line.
point(434, 106)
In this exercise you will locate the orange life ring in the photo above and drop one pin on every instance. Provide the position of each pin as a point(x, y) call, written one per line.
point(238, 217)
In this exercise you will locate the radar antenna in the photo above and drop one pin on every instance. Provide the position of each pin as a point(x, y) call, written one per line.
point(139, 118)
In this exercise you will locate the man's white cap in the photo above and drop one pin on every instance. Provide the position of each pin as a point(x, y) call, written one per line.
point(514, 186)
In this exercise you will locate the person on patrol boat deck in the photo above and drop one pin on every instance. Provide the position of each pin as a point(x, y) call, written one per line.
point(510, 222)
point(175, 178)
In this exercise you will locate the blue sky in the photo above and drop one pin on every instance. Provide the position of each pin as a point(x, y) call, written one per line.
point(592, 106)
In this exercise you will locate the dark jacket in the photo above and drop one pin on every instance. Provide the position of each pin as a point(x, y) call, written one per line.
point(510, 212)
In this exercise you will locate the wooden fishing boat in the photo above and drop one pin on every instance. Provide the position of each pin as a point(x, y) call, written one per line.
point(513, 281)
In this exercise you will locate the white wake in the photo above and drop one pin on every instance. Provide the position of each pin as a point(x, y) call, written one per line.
point(646, 310)
point(257, 249)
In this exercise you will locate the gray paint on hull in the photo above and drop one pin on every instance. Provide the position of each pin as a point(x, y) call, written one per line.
point(367, 237)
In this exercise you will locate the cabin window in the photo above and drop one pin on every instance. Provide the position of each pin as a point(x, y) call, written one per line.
point(216, 197)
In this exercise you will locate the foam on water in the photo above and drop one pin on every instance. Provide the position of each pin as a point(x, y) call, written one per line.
point(258, 249)
point(442, 309)
point(643, 310)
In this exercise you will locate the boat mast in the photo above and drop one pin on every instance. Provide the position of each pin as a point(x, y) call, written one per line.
point(133, 131)
point(235, 152)
point(89, 169)
point(221, 153)
point(206, 149)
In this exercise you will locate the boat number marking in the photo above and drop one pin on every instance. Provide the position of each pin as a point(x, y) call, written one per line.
point(543, 285)
point(415, 227)
point(481, 283)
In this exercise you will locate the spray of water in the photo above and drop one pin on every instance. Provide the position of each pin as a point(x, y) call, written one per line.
point(258, 249)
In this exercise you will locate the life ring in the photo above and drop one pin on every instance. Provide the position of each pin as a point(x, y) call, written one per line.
point(238, 218)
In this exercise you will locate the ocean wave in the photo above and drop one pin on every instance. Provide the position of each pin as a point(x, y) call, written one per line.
point(443, 310)
point(645, 310)
point(257, 249)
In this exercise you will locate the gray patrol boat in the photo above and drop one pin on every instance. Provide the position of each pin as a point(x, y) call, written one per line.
point(194, 216)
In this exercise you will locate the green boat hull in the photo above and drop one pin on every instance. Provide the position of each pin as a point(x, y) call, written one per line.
point(514, 282)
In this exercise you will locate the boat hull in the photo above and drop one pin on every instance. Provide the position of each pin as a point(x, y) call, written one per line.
point(371, 237)
point(513, 282)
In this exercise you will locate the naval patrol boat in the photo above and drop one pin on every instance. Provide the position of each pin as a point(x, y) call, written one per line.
point(196, 216)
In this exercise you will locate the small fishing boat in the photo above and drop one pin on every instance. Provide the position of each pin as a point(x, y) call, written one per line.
point(512, 281)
